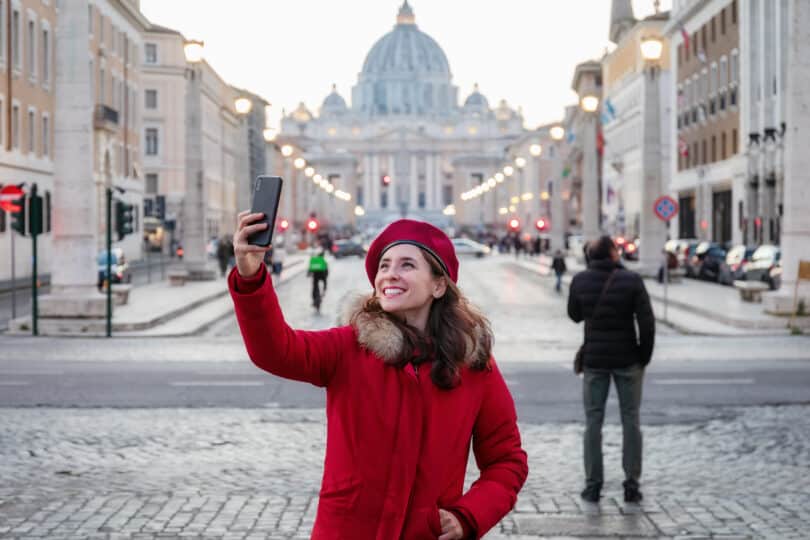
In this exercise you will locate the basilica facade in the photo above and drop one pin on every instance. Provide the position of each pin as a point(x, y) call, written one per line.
point(405, 147)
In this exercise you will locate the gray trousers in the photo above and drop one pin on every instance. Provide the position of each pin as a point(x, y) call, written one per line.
point(595, 388)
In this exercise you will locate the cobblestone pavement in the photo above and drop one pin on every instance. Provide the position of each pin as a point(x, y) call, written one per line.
point(228, 473)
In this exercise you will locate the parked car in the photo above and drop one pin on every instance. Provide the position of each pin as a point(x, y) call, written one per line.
point(345, 248)
point(679, 247)
point(765, 266)
point(119, 267)
point(686, 255)
point(696, 258)
point(733, 268)
point(628, 249)
point(710, 262)
point(466, 246)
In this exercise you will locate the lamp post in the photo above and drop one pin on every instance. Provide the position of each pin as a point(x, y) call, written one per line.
point(558, 218)
point(520, 164)
point(653, 231)
point(243, 106)
point(195, 206)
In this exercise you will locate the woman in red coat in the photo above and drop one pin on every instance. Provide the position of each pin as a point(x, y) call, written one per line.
point(410, 384)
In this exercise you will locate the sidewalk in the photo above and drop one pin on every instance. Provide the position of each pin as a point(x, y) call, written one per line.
point(693, 306)
point(160, 310)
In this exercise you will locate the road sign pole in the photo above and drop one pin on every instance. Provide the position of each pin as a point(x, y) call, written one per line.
point(13, 278)
point(666, 283)
point(109, 262)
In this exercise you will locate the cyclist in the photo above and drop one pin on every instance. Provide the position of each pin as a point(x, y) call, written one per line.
point(319, 270)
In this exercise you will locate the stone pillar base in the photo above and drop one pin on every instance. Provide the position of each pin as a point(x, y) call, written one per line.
point(73, 306)
point(781, 303)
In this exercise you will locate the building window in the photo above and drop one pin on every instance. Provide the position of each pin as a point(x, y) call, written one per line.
point(359, 195)
point(30, 45)
point(734, 142)
point(3, 30)
point(15, 39)
point(46, 57)
point(46, 136)
point(102, 86)
point(32, 130)
point(101, 29)
point(703, 37)
point(714, 34)
point(151, 99)
point(151, 141)
point(384, 200)
point(723, 145)
point(151, 183)
point(695, 155)
point(447, 195)
point(714, 148)
point(90, 18)
point(723, 22)
point(15, 126)
point(734, 12)
point(150, 50)
point(422, 199)
point(704, 148)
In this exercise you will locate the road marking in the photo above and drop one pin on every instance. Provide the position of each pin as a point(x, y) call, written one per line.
point(216, 383)
point(14, 383)
point(702, 381)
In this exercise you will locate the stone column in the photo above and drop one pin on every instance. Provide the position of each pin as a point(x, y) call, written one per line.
point(195, 203)
point(590, 179)
point(74, 205)
point(558, 217)
point(653, 230)
point(796, 221)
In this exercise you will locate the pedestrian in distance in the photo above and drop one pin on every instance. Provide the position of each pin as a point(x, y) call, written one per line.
point(612, 300)
point(410, 383)
point(318, 270)
point(558, 265)
point(223, 254)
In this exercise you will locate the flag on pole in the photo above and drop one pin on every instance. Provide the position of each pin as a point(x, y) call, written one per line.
point(570, 137)
point(600, 142)
point(683, 148)
point(610, 108)
point(566, 171)
point(685, 36)
point(604, 118)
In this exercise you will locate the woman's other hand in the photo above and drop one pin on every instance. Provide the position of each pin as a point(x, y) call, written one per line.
point(249, 258)
point(451, 528)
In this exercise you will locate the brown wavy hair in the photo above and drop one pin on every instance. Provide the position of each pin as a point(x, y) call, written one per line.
point(457, 333)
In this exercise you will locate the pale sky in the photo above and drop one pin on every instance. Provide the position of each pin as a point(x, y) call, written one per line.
point(288, 51)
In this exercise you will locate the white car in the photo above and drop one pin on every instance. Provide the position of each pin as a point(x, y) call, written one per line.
point(465, 246)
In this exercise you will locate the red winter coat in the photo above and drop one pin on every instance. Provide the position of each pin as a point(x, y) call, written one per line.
point(396, 445)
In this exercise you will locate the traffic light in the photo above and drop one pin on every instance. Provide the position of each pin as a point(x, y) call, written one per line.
point(18, 216)
point(514, 224)
point(386, 180)
point(35, 215)
point(313, 225)
point(124, 218)
point(541, 224)
point(283, 225)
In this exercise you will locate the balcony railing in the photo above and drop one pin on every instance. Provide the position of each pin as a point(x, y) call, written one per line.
point(106, 118)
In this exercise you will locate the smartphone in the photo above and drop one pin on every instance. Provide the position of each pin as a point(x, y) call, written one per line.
point(265, 199)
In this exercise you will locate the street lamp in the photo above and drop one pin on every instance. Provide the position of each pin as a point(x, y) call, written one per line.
point(309, 171)
point(535, 150)
point(520, 162)
point(653, 231)
point(287, 150)
point(243, 105)
point(499, 177)
point(589, 103)
point(508, 170)
point(557, 133)
point(299, 163)
point(195, 205)
point(269, 134)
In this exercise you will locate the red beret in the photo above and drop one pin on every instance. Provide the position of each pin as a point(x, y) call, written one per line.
point(417, 233)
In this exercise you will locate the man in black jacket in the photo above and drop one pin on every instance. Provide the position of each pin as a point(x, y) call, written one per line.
point(612, 350)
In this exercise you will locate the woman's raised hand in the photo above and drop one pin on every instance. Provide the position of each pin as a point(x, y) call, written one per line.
point(249, 258)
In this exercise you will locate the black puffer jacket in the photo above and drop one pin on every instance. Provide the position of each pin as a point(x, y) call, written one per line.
point(610, 338)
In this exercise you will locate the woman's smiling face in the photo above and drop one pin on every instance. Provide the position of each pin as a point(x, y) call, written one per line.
point(405, 285)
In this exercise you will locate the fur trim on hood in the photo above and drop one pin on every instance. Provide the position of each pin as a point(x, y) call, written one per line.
point(378, 334)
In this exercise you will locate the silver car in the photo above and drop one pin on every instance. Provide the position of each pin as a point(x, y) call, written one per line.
point(465, 246)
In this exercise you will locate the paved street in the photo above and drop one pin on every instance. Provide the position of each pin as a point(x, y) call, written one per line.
point(184, 438)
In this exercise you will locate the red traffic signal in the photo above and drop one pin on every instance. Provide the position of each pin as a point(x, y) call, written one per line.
point(386, 180)
point(514, 224)
point(312, 225)
point(283, 225)
point(541, 224)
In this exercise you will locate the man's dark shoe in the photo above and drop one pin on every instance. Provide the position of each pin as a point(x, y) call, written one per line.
point(632, 494)
point(590, 494)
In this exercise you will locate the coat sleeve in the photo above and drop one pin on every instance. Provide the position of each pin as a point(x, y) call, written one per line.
point(574, 307)
point(500, 458)
point(646, 323)
point(309, 356)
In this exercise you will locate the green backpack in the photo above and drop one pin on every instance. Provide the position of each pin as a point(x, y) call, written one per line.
point(317, 264)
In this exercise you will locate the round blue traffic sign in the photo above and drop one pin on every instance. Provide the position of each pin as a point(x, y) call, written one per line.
point(665, 208)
